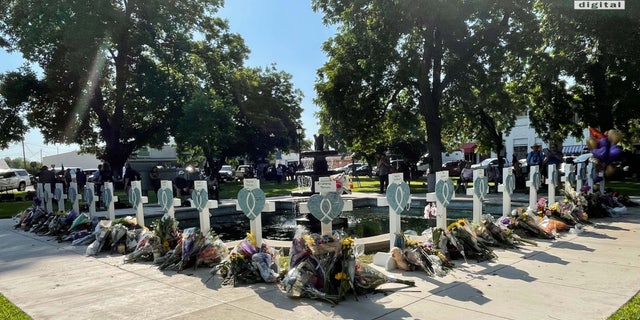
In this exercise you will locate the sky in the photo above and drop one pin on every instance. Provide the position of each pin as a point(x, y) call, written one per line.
point(286, 33)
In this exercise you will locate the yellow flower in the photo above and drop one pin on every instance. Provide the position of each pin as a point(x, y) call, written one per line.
point(585, 215)
point(165, 244)
point(308, 240)
point(347, 241)
point(461, 222)
point(341, 276)
point(554, 207)
point(252, 239)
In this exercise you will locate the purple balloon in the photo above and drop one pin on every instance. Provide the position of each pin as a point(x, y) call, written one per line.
point(615, 152)
point(597, 179)
point(603, 142)
point(600, 153)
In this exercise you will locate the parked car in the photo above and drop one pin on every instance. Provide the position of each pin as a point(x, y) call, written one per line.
point(454, 167)
point(364, 170)
point(486, 163)
point(14, 179)
point(349, 168)
point(227, 173)
point(244, 171)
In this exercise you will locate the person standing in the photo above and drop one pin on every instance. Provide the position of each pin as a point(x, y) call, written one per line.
point(535, 157)
point(154, 178)
point(81, 179)
point(130, 174)
point(554, 157)
point(383, 173)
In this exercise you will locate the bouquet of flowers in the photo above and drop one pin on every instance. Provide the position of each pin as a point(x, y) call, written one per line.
point(247, 263)
point(411, 255)
point(524, 224)
point(497, 233)
point(213, 251)
point(166, 228)
point(147, 248)
point(461, 240)
point(325, 268)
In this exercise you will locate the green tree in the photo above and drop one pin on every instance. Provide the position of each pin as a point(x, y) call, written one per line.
point(409, 54)
point(588, 71)
point(116, 74)
point(269, 109)
point(14, 87)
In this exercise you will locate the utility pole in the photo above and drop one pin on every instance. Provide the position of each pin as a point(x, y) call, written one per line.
point(24, 157)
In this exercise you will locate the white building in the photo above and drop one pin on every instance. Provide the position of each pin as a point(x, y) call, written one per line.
point(523, 136)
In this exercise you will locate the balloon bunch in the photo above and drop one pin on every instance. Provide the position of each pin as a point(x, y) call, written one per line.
point(605, 148)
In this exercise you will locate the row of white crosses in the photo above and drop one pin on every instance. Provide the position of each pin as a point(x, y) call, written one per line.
point(199, 200)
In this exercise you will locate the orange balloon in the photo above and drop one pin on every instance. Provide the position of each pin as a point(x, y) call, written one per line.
point(595, 133)
point(592, 143)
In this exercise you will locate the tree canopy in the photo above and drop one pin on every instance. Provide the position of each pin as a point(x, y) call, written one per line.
point(121, 75)
point(416, 57)
point(587, 70)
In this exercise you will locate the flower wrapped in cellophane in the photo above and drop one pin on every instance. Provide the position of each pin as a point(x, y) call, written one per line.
point(148, 247)
point(324, 267)
point(249, 263)
point(495, 232)
point(524, 224)
point(460, 240)
point(166, 228)
point(410, 254)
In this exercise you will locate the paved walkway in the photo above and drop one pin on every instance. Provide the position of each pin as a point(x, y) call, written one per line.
point(586, 276)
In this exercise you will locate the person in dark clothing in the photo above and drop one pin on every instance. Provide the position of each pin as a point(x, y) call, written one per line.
point(81, 179)
point(130, 174)
point(181, 185)
point(47, 176)
point(154, 177)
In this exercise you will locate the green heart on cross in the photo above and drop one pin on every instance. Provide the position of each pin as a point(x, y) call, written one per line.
point(444, 191)
point(135, 197)
point(510, 184)
point(481, 187)
point(73, 194)
point(325, 208)
point(88, 195)
point(165, 198)
point(398, 196)
point(107, 197)
point(200, 198)
point(251, 202)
